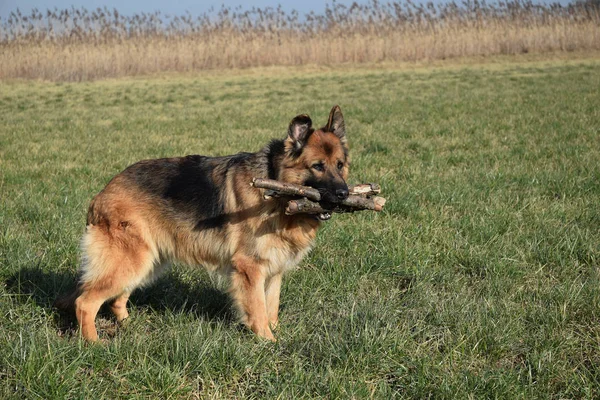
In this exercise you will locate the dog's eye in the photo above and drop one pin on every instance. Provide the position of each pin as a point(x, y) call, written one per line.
point(318, 167)
point(340, 165)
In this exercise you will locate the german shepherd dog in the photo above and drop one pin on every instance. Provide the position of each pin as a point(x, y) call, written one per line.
point(203, 211)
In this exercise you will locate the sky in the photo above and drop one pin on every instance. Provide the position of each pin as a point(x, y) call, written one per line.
point(176, 7)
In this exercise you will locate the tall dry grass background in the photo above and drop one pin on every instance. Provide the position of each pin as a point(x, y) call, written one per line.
point(78, 44)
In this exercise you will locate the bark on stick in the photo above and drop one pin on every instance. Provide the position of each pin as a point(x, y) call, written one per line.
point(351, 204)
point(366, 189)
point(287, 188)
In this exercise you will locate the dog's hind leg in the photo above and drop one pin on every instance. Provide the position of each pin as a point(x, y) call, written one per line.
point(114, 265)
point(248, 292)
point(118, 306)
point(86, 308)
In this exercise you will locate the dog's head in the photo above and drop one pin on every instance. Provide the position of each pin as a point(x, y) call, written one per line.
point(318, 157)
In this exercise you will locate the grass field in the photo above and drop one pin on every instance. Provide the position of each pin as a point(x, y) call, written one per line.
point(480, 279)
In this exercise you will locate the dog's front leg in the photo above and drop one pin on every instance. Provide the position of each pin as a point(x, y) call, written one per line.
point(248, 291)
point(272, 293)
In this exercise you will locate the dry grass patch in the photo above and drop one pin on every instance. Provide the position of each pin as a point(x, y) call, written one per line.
point(77, 44)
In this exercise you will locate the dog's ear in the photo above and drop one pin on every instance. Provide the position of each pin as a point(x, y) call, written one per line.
point(335, 124)
point(299, 130)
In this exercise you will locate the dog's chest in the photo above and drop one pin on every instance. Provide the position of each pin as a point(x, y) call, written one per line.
point(284, 248)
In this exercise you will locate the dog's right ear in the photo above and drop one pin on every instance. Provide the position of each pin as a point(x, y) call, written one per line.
point(299, 130)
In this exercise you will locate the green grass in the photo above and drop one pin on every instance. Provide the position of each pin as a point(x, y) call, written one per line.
point(480, 279)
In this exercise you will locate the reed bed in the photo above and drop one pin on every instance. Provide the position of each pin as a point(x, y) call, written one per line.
point(78, 44)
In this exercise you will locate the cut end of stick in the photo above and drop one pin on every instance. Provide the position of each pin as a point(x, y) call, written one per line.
point(379, 203)
point(366, 189)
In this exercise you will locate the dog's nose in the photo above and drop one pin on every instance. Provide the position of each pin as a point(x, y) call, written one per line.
point(342, 194)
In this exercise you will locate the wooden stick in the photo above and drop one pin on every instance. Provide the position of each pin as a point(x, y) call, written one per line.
point(305, 206)
point(286, 188)
point(366, 189)
point(351, 204)
point(364, 203)
point(359, 198)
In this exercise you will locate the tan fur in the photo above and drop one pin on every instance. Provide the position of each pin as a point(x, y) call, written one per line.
point(131, 236)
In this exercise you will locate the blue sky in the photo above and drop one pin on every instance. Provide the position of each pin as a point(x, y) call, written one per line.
point(177, 7)
point(174, 6)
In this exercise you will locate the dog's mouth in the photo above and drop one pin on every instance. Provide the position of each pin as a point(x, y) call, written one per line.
point(328, 206)
point(328, 202)
point(329, 198)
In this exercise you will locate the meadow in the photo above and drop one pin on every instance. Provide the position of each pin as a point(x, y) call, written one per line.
point(480, 279)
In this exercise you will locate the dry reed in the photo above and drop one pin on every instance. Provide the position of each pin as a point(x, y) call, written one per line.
point(77, 44)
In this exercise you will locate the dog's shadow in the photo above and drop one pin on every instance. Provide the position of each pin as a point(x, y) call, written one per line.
point(169, 293)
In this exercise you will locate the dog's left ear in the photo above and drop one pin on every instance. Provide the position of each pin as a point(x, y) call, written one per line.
point(299, 130)
point(335, 124)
